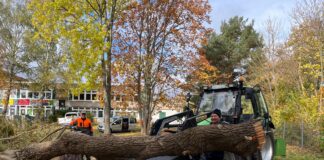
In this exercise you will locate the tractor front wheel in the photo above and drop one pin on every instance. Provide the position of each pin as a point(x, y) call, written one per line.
point(267, 151)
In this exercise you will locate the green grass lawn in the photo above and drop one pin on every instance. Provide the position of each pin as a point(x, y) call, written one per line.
point(298, 153)
point(137, 132)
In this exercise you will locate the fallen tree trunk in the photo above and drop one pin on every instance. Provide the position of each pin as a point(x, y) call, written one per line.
point(242, 139)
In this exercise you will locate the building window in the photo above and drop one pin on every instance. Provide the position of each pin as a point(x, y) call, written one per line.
point(94, 96)
point(30, 110)
point(12, 112)
point(82, 96)
point(48, 95)
point(22, 110)
point(13, 94)
point(30, 95)
point(100, 114)
point(18, 93)
point(88, 95)
point(23, 94)
point(75, 97)
point(94, 113)
point(36, 95)
point(132, 120)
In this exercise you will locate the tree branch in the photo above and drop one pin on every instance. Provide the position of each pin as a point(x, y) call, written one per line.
point(93, 8)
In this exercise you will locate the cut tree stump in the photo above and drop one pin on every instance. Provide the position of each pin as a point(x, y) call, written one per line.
point(242, 139)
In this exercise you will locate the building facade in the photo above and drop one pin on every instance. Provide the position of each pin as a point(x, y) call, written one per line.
point(91, 101)
point(26, 102)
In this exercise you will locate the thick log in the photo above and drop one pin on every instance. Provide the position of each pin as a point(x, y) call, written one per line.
point(242, 139)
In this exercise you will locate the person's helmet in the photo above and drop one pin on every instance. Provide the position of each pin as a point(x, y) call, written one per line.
point(83, 112)
point(218, 112)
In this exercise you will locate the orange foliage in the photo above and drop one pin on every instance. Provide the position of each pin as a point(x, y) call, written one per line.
point(202, 73)
point(160, 40)
point(158, 44)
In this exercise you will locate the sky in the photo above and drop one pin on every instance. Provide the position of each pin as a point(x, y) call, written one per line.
point(258, 10)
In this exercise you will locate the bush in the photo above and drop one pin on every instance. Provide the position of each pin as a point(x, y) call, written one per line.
point(90, 116)
point(6, 128)
point(2, 147)
point(60, 113)
point(52, 118)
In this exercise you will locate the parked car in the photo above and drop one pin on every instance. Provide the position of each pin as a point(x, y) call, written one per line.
point(69, 116)
point(119, 124)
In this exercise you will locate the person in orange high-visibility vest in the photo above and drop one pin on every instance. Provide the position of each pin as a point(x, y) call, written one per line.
point(83, 124)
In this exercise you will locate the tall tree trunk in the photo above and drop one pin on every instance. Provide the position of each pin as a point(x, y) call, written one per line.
point(147, 103)
point(139, 76)
point(139, 98)
point(6, 102)
point(300, 79)
point(271, 93)
point(7, 98)
point(106, 96)
point(41, 109)
point(242, 139)
point(107, 69)
point(302, 133)
point(284, 130)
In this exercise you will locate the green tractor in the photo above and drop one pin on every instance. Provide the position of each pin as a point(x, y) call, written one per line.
point(237, 104)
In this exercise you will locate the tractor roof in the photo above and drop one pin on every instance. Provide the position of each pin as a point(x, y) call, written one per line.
point(222, 87)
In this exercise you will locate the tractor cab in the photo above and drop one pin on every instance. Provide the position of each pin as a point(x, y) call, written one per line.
point(236, 104)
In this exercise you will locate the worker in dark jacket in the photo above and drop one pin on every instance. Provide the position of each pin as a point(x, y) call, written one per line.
point(83, 124)
point(216, 118)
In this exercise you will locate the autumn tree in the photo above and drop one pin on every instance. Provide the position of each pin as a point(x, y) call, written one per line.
point(159, 40)
point(202, 73)
point(12, 56)
point(306, 42)
point(45, 62)
point(264, 70)
point(237, 44)
point(87, 27)
point(291, 73)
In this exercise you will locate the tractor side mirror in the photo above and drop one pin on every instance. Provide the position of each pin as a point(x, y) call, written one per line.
point(188, 97)
point(271, 125)
point(266, 116)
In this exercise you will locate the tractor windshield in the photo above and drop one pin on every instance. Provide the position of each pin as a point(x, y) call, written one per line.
point(223, 100)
